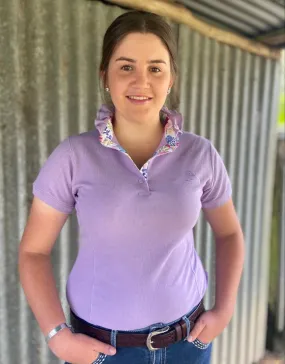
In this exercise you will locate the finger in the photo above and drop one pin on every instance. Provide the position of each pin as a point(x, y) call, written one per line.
point(101, 347)
point(197, 329)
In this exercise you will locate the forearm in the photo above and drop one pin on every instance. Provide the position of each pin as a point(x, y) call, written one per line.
point(229, 264)
point(38, 282)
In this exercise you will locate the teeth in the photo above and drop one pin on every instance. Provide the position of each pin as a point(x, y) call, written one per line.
point(138, 98)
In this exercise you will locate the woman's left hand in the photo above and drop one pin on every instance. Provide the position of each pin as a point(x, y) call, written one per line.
point(209, 325)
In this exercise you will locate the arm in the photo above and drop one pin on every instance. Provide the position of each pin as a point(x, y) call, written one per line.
point(35, 270)
point(36, 276)
point(229, 254)
point(229, 262)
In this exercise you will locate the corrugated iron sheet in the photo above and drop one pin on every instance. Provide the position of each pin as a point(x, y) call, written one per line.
point(251, 18)
point(280, 187)
point(49, 59)
point(229, 96)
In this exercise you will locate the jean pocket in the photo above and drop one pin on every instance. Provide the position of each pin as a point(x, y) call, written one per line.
point(200, 345)
point(101, 358)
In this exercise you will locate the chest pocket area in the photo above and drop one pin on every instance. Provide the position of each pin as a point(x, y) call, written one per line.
point(191, 181)
point(182, 182)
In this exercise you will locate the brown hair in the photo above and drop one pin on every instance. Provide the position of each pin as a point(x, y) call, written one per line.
point(140, 22)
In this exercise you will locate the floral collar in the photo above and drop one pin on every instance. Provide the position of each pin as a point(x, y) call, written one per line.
point(171, 119)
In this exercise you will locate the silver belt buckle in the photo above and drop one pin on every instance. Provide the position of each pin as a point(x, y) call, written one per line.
point(151, 334)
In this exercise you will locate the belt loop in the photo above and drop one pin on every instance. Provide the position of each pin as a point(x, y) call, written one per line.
point(113, 337)
point(187, 325)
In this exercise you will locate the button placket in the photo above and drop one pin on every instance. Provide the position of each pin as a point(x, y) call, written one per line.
point(168, 144)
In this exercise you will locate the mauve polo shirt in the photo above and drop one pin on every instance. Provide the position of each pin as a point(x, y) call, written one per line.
point(136, 263)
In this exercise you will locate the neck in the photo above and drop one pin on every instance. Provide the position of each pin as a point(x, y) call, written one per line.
point(137, 132)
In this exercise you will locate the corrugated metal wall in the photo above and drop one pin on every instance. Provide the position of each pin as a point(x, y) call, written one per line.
point(230, 96)
point(280, 192)
point(49, 56)
point(250, 17)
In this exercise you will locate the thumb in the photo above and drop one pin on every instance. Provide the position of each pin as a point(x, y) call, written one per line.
point(197, 329)
point(104, 348)
point(100, 346)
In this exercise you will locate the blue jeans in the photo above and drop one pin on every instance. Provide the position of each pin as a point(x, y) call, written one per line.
point(181, 352)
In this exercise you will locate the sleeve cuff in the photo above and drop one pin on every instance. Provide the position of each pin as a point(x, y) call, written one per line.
point(52, 201)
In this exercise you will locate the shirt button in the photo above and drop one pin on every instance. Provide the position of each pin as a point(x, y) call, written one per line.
point(141, 181)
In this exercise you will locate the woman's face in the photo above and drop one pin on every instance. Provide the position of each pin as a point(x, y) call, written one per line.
point(139, 66)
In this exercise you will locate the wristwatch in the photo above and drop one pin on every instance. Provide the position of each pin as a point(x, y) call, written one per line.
point(56, 330)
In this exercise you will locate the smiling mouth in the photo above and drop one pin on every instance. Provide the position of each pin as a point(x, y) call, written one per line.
point(139, 98)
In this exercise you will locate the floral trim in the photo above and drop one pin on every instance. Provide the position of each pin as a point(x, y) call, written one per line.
point(106, 138)
point(171, 134)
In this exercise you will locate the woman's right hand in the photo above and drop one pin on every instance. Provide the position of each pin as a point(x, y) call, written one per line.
point(77, 348)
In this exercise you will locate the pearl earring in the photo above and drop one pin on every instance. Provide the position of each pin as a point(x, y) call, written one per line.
point(107, 89)
point(168, 91)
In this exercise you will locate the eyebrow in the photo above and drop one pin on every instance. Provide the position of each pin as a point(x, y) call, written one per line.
point(134, 61)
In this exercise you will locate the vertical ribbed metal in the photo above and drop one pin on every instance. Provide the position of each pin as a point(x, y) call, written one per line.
point(269, 102)
point(281, 289)
point(221, 144)
point(240, 188)
point(238, 113)
point(253, 245)
point(49, 88)
point(232, 169)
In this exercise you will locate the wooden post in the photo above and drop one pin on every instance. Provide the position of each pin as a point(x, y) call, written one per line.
point(180, 14)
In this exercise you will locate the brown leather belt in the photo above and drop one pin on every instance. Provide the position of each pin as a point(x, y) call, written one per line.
point(157, 339)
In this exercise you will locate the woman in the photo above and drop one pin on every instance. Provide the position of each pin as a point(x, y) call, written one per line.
point(138, 183)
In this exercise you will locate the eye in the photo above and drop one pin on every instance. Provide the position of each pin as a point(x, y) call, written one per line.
point(156, 69)
point(126, 66)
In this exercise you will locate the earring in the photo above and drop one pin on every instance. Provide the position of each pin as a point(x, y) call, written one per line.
point(168, 91)
point(107, 89)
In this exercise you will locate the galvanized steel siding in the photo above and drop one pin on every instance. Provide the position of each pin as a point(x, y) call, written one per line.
point(249, 17)
point(50, 53)
point(229, 96)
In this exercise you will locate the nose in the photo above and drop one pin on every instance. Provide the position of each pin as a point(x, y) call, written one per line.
point(141, 78)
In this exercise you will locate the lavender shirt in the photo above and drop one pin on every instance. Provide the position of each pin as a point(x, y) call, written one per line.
point(136, 262)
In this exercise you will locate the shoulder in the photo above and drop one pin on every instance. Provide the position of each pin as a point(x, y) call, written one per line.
point(200, 153)
point(83, 138)
point(73, 143)
point(195, 144)
point(195, 139)
point(85, 141)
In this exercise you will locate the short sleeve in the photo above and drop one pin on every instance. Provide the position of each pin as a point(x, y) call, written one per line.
point(53, 184)
point(217, 189)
